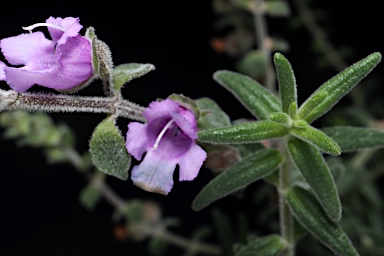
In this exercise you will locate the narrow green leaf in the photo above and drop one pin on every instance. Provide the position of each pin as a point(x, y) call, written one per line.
point(315, 171)
point(271, 245)
point(309, 213)
point(258, 100)
point(90, 34)
point(124, 73)
point(241, 174)
point(281, 118)
point(287, 81)
point(211, 115)
point(316, 138)
point(292, 109)
point(244, 133)
point(311, 104)
point(355, 138)
point(108, 150)
point(340, 85)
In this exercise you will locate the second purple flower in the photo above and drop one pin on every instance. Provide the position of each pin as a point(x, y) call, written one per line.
point(169, 140)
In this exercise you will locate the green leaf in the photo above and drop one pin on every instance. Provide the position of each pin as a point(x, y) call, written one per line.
point(309, 214)
point(271, 245)
point(317, 138)
point(253, 64)
point(340, 85)
point(240, 175)
point(355, 138)
point(89, 197)
point(277, 8)
point(258, 100)
point(211, 115)
point(108, 150)
point(244, 133)
point(281, 118)
point(287, 81)
point(315, 171)
point(124, 73)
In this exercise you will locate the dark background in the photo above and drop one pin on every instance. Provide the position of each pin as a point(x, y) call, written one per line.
point(40, 213)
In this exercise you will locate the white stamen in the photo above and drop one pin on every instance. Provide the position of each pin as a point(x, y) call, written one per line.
point(161, 134)
point(29, 28)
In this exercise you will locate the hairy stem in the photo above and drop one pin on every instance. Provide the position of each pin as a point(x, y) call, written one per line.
point(286, 218)
point(11, 100)
point(262, 43)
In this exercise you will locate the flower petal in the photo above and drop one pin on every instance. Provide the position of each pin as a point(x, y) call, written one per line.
point(191, 162)
point(137, 139)
point(75, 61)
point(160, 109)
point(20, 79)
point(2, 73)
point(186, 123)
point(70, 25)
point(26, 48)
point(154, 174)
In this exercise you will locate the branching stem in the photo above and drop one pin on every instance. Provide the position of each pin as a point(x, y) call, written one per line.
point(286, 218)
point(120, 205)
point(262, 43)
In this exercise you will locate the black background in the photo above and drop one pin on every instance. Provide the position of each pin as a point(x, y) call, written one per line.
point(40, 213)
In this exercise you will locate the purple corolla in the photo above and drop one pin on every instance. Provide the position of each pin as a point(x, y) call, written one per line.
point(62, 63)
point(169, 139)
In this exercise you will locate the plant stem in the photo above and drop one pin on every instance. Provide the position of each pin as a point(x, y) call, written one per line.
point(120, 204)
point(11, 100)
point(262, 43)
point(286, 218)
point(327, 48)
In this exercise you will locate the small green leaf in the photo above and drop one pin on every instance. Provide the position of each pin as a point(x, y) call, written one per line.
point(338, 86)
point(281, 118)
point(258, 100)
point(272, 245)
point(90, 196)
point(287, 81)
point(309, 213)
point(244, 133)
point(301, 124)
point(90, 34)
point(277, 8)
point(292, 109)
point(355, 138)
point(124, 73)
point(240, 175)
point(311, 103)
point(315, 171)
point(253, 64)
point(317, 138)
point(108, 150)
point(211, 115)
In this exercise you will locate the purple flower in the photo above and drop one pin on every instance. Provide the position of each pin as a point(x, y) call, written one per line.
point(61, 63)
point(169, 139)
